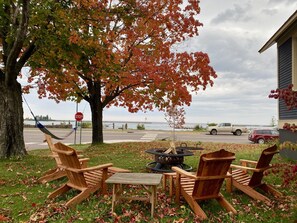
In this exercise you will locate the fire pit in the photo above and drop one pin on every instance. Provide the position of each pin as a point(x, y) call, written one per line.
point(164, 161)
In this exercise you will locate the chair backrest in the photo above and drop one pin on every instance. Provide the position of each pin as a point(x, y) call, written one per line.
point(263, 163)
point(212, 170)
point(51, 146)
point(70, 162)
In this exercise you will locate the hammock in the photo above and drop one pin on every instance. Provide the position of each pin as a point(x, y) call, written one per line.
point(44, 129)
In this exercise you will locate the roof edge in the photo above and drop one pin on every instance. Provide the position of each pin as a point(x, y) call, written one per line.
point(279, 32)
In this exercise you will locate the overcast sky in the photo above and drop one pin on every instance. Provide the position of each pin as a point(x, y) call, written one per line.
point(233, 31)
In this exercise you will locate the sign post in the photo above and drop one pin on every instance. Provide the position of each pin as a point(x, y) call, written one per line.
point(78, 118)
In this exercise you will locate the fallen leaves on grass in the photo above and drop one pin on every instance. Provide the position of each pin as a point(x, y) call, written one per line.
point(97, 208)
point(2, 182)
point(48, 213)
point(3, 218)
point(29, 181)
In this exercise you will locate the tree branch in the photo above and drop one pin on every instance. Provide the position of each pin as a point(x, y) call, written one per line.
point(117, 92)
point(26, 55)
point(18, 44)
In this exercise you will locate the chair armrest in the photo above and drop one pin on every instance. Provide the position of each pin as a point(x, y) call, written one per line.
point(270, 153)
point(99, 167)
point(249, 168)
point(218, 158)
point(83, 160)
point(183, 172)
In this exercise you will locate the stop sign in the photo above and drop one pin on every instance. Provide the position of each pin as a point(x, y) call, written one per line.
point(79, 116)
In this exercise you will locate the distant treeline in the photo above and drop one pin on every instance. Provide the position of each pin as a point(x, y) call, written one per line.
point(42, 118)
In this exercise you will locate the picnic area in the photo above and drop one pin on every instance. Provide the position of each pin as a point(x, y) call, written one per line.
point(84, 183)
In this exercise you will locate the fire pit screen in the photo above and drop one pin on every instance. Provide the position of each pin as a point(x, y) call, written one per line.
point(165, 160)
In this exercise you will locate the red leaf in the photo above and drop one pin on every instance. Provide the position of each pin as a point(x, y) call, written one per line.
point(3, 218)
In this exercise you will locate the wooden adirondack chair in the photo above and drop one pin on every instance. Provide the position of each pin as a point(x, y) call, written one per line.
point(247, 183)
point(57, 172)
point(87, 180)
point(206, 183)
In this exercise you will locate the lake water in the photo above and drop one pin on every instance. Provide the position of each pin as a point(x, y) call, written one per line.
point(133, 125)
point(119, 125)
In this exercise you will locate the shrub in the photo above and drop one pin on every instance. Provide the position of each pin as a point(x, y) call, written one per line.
point(140, 127)
point(86, 124)
point(198, 128)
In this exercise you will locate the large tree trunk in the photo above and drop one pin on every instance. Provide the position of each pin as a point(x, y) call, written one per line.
point(97, 117)
point(11, 120)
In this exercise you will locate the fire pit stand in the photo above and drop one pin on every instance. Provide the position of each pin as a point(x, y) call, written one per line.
point(163, 161)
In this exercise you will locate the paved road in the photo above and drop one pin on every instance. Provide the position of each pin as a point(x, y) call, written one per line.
point(34, 137)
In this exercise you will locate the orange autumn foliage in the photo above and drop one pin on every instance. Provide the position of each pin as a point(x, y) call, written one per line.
point(124, 53)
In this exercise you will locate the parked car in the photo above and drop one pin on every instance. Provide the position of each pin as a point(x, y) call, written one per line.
point(263, 135)
point(226, 128)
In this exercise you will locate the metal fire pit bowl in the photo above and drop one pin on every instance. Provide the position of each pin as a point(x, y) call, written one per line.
point(163, 161)
point(173, 159)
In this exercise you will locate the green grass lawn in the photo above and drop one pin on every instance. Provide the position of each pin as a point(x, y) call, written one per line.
point(23, 199)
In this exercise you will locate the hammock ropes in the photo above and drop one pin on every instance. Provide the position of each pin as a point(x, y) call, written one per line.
point(44, 129)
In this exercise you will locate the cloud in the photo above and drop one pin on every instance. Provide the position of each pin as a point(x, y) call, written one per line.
point(234, 14)
point(278, 2)
point(270, 11)
point(232, 34)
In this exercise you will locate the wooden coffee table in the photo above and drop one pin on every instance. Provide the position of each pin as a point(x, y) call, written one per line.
point(149, 181)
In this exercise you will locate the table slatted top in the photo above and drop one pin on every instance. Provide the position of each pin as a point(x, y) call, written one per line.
point(152, 179)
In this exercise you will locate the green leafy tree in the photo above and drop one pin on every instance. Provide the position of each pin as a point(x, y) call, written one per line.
point(24, 27)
